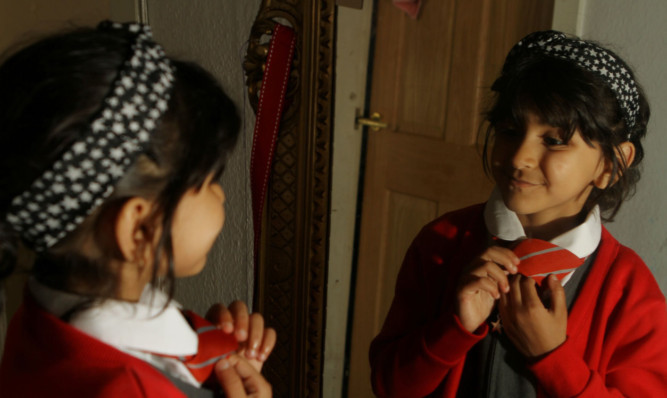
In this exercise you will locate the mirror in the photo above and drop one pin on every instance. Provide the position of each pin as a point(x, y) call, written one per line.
point(298, 278)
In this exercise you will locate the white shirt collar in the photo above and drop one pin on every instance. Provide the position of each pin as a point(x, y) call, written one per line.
point(143, 326)
point(503, 223)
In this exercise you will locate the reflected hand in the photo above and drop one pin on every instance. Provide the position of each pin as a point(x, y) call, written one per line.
point(481, 284)
point(534, 329)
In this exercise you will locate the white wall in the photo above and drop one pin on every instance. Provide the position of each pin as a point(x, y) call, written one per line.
point(637, 31)
point(213, 33)
point(353, 37)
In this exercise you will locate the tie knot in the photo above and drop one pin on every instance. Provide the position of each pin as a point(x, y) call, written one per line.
point(539, 258)
point(214, 344)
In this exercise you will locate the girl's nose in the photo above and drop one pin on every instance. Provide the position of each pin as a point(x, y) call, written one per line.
point(526, 154)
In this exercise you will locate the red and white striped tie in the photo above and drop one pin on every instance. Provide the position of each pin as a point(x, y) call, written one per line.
point(539, 259)
point(214, 345)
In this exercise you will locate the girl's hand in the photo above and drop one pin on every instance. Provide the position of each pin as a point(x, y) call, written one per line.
point(256, 342)
point(239, 379)
point(534, 329)
point(481, 283)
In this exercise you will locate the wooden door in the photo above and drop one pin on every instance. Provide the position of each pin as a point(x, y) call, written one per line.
point(430, 79)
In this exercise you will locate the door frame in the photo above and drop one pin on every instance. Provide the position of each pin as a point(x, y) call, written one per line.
point(291, 273)
point(353, 36)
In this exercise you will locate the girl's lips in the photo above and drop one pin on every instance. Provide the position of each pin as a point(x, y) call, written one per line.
point(521, 183)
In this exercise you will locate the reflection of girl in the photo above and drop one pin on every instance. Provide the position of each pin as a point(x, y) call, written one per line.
point(566, 131)
point(110, 155)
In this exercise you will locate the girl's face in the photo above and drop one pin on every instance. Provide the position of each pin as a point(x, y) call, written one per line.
point(198, 220)
point(541, 177)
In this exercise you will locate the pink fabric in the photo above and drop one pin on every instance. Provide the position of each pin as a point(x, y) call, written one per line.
point(410, 7)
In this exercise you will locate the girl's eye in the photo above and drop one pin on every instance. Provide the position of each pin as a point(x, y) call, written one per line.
point(554, 141)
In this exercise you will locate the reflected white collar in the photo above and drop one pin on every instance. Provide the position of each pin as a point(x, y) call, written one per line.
point(142, 326)
point(504, 224)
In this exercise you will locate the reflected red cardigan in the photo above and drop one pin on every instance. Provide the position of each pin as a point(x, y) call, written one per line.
point(617, 328)
point(46, 357)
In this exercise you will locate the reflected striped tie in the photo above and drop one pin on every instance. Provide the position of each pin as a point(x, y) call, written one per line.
point(540, 258)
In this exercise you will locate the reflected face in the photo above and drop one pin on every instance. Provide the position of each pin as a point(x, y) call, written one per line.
point(541, 177)
point(198, 220)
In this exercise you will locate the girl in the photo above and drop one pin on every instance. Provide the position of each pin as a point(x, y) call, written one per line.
point(111, 154)
point(565, 130)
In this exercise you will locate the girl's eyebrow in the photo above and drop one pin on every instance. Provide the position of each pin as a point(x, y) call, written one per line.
point(556, 131)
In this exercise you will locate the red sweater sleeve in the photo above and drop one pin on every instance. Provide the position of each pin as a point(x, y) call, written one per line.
point(626, 352)
point(422, 342)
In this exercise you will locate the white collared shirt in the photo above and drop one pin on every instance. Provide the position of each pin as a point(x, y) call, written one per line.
point(581, 240)
point(140, 329)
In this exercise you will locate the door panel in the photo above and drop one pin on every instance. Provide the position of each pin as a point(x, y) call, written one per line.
point(406, 215)
point(420, 91)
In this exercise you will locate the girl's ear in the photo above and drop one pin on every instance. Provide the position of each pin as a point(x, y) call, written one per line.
point(132, 236)
point(625, 155)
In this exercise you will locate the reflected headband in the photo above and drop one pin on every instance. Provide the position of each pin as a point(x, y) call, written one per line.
point(85, 175)
point(588, 56)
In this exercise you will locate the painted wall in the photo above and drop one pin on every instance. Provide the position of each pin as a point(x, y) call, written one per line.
point(213, 33)
point(636, 30)
point(20, 20)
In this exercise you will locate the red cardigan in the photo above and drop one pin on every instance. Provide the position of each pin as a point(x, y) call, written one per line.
point(46, 357)
point(617, 328)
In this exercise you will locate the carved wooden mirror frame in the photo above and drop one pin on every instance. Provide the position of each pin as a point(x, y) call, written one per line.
point(291, 273)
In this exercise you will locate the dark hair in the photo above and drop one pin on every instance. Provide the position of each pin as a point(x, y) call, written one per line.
point(567, 96)
point(49, 93)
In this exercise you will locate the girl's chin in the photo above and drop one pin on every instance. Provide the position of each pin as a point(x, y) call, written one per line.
point(520, 206)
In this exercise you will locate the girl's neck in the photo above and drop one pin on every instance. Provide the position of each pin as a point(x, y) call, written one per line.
point(551, 229)
point(132, 280)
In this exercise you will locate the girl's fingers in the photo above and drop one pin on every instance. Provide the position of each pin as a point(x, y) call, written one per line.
point(529, 295)
point(258, 343)
point(255, 335)
point(515, 294)
point(239, 312)
point(221, 316)
point(261, 341)
point(494, 272)
point(253, 381)
point(230, 381)
point(239, 379)
point(485, 284)
point(269, 342)
point(558, 301)
point(503, 257)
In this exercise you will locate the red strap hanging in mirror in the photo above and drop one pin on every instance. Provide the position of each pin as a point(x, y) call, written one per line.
point(267, 122)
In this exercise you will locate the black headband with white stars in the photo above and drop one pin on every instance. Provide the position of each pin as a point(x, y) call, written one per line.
point(591, 57)
point(85, 175)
